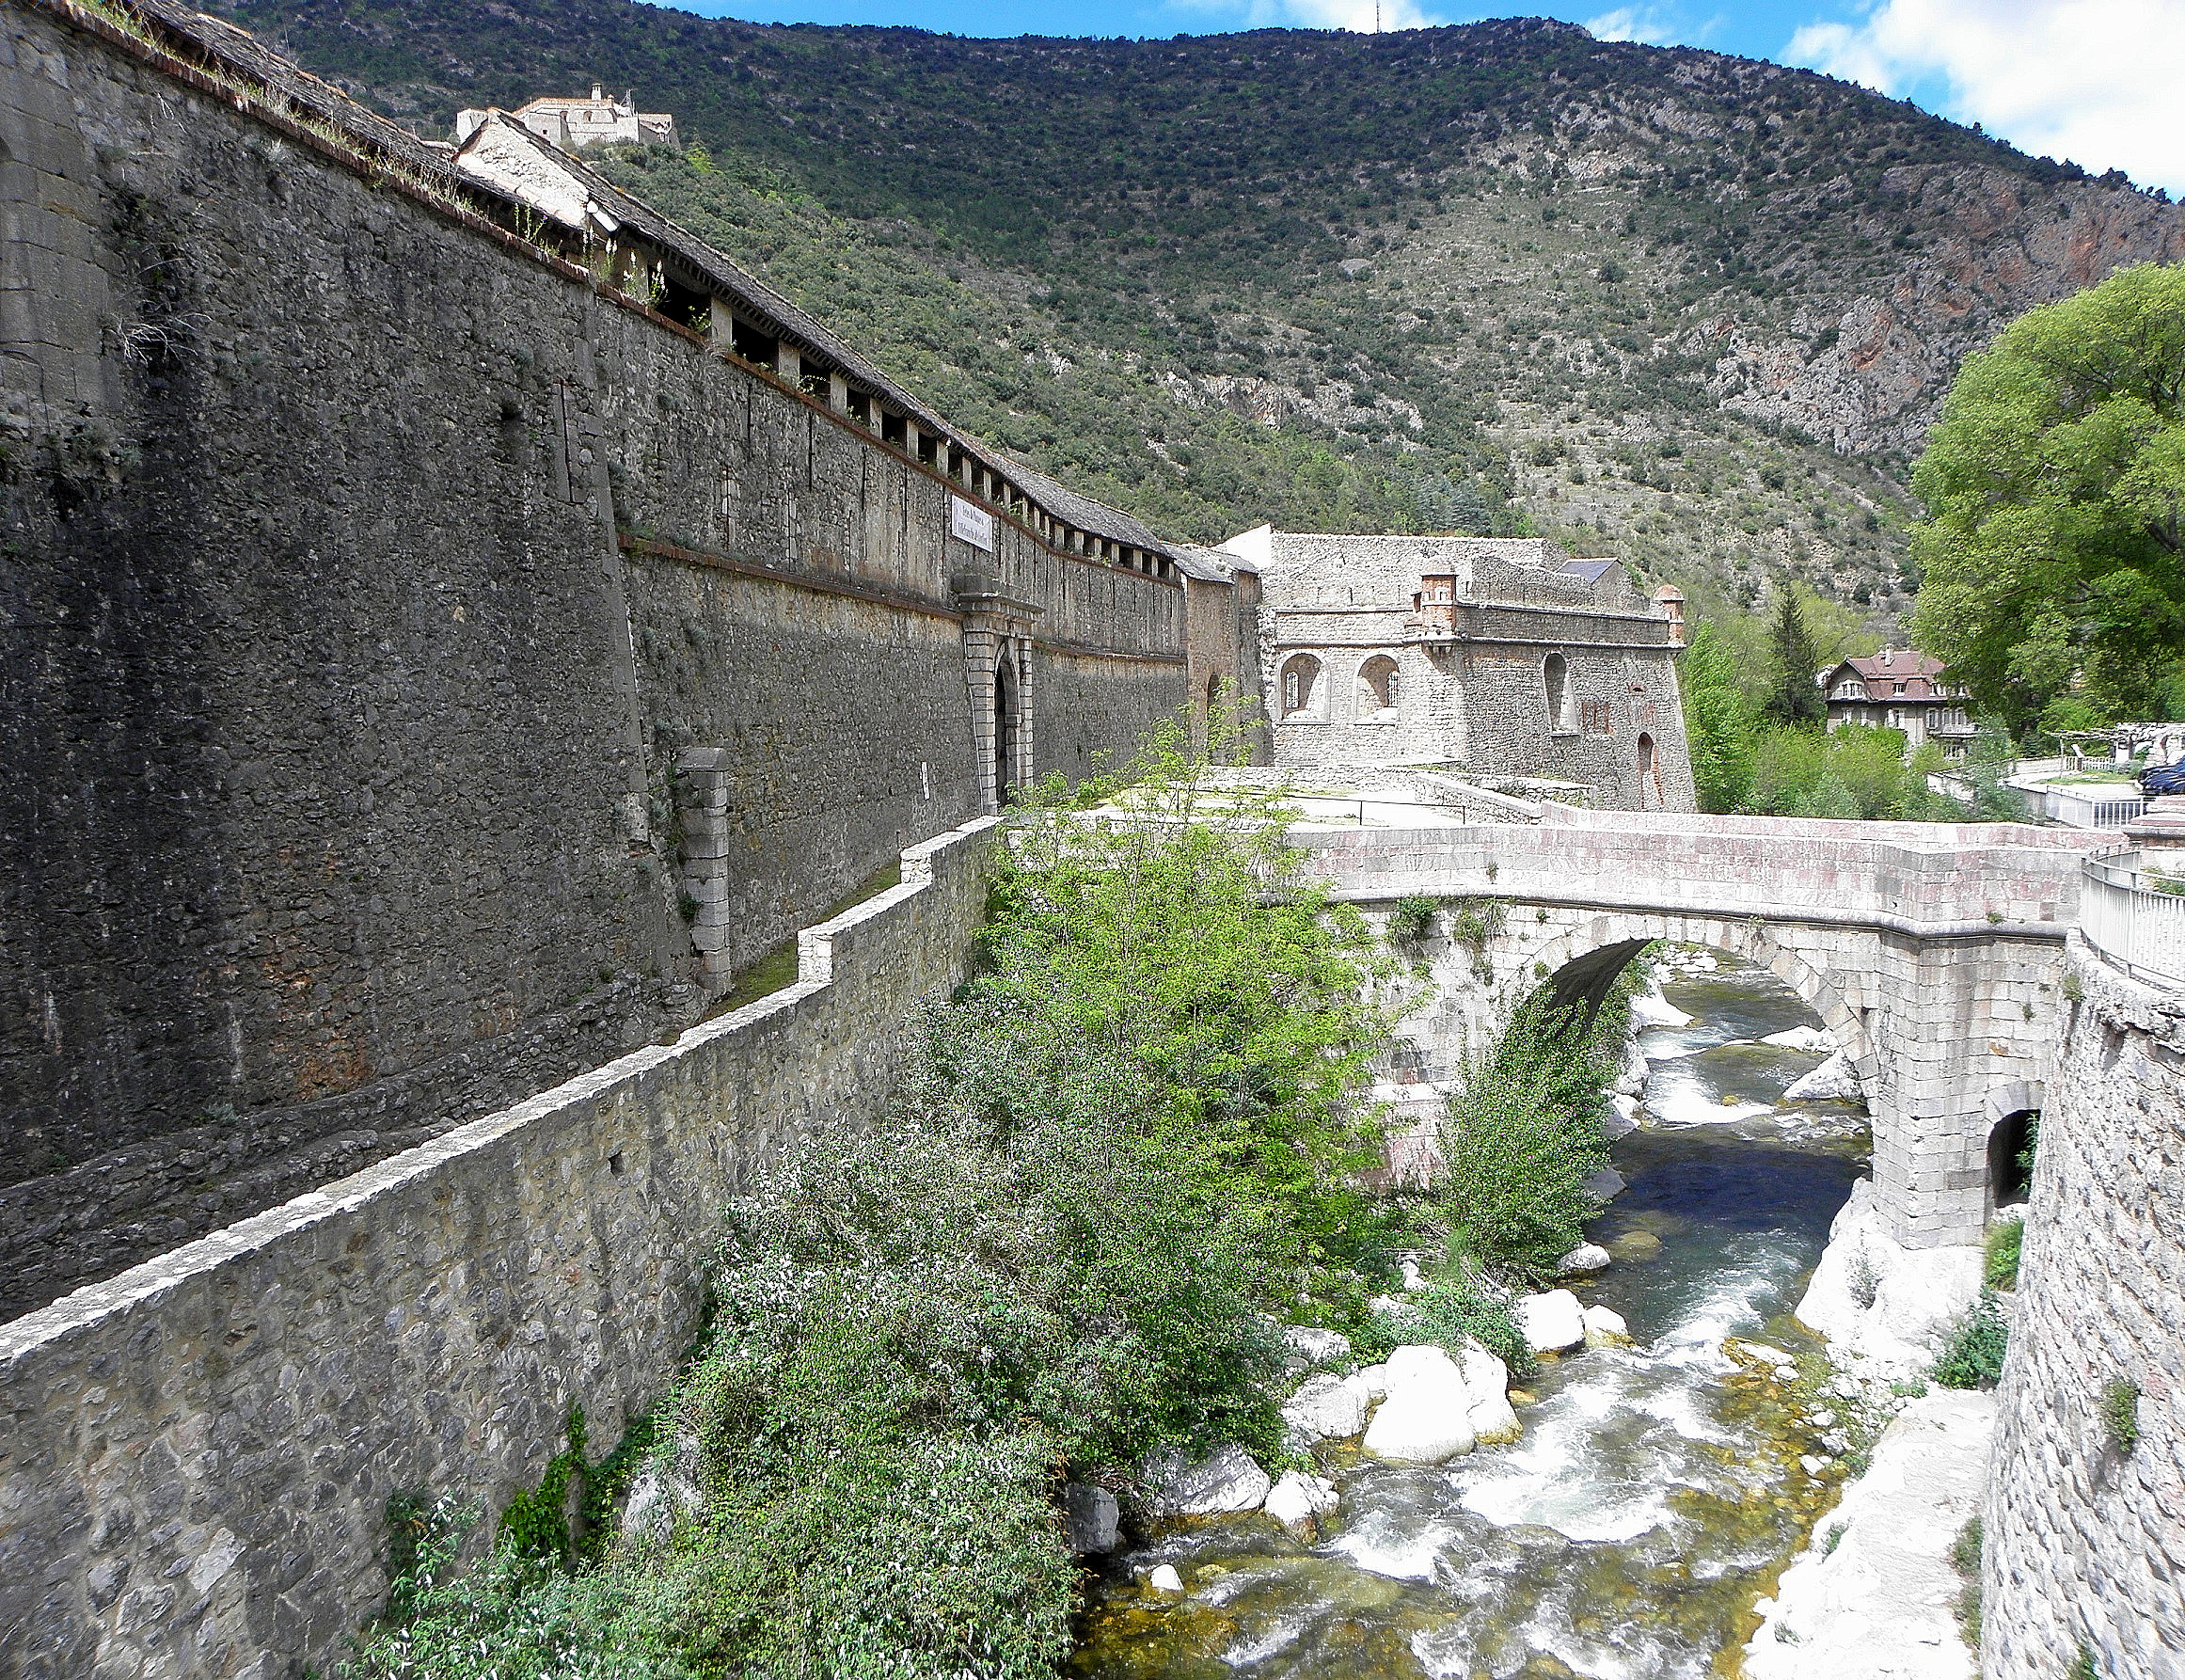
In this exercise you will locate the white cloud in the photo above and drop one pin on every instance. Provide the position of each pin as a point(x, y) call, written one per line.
point(1632, 22)
point(2097, 81)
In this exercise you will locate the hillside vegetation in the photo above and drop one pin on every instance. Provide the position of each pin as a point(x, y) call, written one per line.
point(1694, 311)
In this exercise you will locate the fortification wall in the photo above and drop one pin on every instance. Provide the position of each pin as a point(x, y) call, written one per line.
point(341, 697)
point(199, 1453)
point(2086, 1543)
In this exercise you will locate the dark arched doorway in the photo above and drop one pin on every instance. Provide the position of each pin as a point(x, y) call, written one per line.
point(1650, 796)
point(1005, 727)
point(2010, 1157)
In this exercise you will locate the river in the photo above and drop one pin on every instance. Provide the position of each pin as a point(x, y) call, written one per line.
point(1657, 1489)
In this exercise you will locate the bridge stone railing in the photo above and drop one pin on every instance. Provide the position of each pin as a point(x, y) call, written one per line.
point(2135, 917)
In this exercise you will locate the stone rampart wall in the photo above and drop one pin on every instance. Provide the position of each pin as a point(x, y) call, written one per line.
point(366, 574)
point(2085, 1540)
point(198, 1452)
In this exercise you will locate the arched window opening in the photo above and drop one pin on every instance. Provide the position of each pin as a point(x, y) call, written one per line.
point(1005, 727)
point(1300, 683)
point(1650, 794)
point(1556, 674)
point(2010, 1157)
point(1377, 688)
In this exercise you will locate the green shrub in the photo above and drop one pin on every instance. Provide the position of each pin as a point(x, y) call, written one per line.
point(2083, 1667)
point(1411, 920)
point(2006, 1237)
point(1972, 1351)
point(2120, 1416)
point(1444, 1314)
point(1519, 1140)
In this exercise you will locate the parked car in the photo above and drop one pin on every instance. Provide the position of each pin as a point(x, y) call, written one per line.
point(2162, 778)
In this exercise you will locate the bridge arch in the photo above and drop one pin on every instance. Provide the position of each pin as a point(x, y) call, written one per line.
point(1582, 960)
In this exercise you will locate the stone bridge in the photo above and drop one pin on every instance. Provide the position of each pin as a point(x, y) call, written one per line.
point(1934, 953)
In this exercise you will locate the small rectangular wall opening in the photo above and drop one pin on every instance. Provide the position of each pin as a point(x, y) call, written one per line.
point(892, 428)
point(754, 345)
point(684, 305)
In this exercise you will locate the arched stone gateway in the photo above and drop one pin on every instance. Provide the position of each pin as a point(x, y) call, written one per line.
point(1934, 955)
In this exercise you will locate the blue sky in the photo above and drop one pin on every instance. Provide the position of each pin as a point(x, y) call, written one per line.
point(2102, 82)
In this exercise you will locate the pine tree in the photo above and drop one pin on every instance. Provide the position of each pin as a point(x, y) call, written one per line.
point(1796, 699)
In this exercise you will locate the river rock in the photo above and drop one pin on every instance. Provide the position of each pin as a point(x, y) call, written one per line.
point(1426, 1418)
point(1299, 1501)
point(1811, 1039)
point(1631, 1075)
point(1310, 1347)
point(1605, 1186)
point(1636, 1246)
point(1586, 1257)
point(1876, 1300)
point(1649, 1008)
point(1089, 1518)
point(1551, 1322)
point(1373, 1380)
point(1604, 1328)
point(1225, 1480)
point(1622, 1119)
point(1164, 1579)
point(1833, 1080)
point(1326, 1408)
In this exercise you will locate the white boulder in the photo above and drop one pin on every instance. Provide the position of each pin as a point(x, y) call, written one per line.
point(1835, 1081)
point(1164, 1579)
point(1811, 1039)
point(1225, 1480)
point(1426, 1417)
point(1632, 1075)
point(1309, 1346)
point(1876, 1300)
point(1413, 1276)
point(1551, 1321)
point(1374, 1379)
point(1622, 1119)
point(1299, 1501)
point(1326, 1408)
point(1604, 1328)
point(1649, 1008)
point(1586, 1257)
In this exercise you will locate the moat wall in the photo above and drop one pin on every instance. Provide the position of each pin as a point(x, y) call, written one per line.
point(365, 574)
point(198, 1453)
point(2085, 1541)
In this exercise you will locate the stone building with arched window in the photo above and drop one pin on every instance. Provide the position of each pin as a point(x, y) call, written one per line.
point(1497, 656)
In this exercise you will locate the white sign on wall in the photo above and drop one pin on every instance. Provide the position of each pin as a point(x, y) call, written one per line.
point(975, 526)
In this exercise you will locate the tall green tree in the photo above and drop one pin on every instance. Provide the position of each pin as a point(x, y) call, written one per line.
point(1718, 725)
point(1796, 699)
point(2054, 555)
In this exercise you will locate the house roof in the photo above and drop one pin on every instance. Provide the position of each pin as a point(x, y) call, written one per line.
point(1897, 673)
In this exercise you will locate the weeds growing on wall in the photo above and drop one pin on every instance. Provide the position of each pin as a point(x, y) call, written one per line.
point(1132, 1135)
point(2120, 1417)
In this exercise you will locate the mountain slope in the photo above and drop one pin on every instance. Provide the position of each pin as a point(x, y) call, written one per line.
point(1691, 309)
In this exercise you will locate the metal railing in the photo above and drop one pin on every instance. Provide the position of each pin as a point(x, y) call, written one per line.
point(2135, 917)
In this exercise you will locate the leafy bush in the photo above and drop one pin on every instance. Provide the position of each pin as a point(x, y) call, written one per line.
point(1519, 1140)
point(1444, 1313)
point(1410, 920)
point(2006, 1237)
point(1973, 1350)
